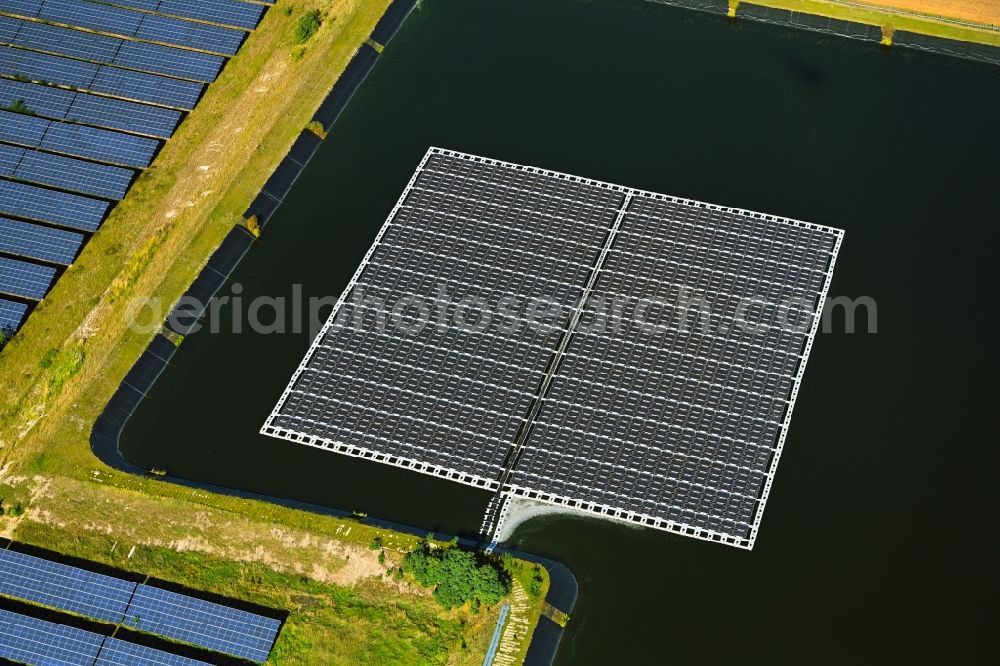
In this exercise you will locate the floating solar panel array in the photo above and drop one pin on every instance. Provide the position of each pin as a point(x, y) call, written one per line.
point(657, 389)
point(202, 623)
point(149, 609)
point(88, 91)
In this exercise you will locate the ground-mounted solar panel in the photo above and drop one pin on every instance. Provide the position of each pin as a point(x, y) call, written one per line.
point(43, 205)
point(38, 99)
point(10, 158)
point(665, 400)
point(226, 12)
point(188, 34)
point(24, 130)
point(46, 68)
point(20, 278)
point(116, 652)
point(11, 315)
point(151, 88)
point(28, 8)
point(68, 42)
point(159, 59)
point(123, 115)
point(34, 241)
point(69, 173)
point(9, 28)
point(452, 399)
point(99, 144)
point(92, 16)
point(64, 587)
point(28, 640)
point(205, 624)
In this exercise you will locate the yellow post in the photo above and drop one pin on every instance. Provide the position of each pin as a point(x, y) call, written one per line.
point(733, 5)
point(887, 32)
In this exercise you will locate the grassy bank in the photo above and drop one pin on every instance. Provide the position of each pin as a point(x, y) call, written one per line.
point(64, 365)
point(877, 17)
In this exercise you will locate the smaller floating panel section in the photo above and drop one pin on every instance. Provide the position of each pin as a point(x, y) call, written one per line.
point(203, 623)
point(34, 241)
point(28, 640)
point(19, 278)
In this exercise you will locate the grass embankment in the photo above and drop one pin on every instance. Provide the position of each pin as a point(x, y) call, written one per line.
point(881, 18)
point(61, 369)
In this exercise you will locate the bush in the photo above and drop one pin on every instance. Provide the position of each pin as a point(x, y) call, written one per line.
point(457, 576)
point(307, 26)
point(376, 543)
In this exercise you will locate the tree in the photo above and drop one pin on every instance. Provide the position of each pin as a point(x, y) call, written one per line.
point(458, 576)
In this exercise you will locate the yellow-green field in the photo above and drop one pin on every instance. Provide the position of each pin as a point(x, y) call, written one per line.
point(63, 366)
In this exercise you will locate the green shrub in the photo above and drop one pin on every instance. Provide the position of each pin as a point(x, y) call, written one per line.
point(307, 26)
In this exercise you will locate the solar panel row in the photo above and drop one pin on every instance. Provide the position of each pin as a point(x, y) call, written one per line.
point(123, 83)
point(116, 652)
point(202, 623)
point(64, 587)
point(668, 410)
point(60, 104)
point(19, 278)
point(102, 49)
point(11, 314)
point(226, 12)
point(42, 205)
point(33, 241)
point(68, 173)
point(133, 24)
point(28, 640)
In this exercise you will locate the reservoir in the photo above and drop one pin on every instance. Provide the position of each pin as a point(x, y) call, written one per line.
point(871, 548)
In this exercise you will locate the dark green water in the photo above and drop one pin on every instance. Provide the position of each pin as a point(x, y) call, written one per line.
point(876, 545)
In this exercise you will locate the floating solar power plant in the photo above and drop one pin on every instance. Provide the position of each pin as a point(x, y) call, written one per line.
point(64, 587)
point(42, 205)
point(203, 623)
point(449, 401)
point(11, 314)
point(117, 652)
point(69, 173)
point(34, 241)
point(99, 144)
point(28, 640)
point(672, 423)
point(234, 13)
point(19, 278)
